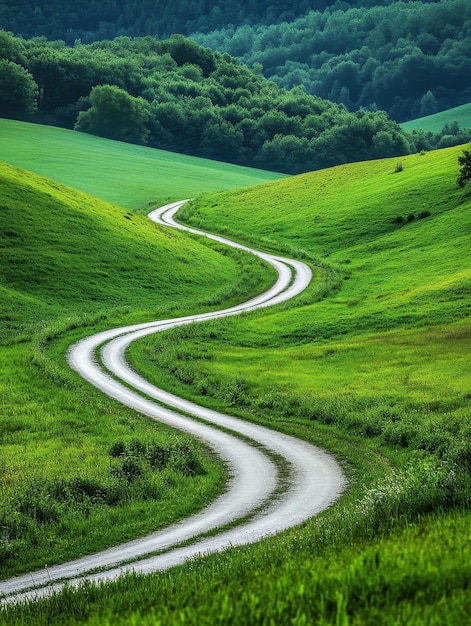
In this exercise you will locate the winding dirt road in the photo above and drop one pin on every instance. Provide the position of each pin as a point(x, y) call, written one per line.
point(264, 499)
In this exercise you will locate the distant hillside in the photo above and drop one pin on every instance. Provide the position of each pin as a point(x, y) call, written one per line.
point(90, 20)
point(434, 123)
point(128, 175)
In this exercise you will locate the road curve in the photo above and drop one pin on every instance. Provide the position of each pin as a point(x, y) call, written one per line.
point(260, 498)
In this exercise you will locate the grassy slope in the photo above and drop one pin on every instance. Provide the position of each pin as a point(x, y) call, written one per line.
point(366, 350)
point(71, 264)
point(383, 356)
point(132, 176)
point(394, 339)
point(437, 121)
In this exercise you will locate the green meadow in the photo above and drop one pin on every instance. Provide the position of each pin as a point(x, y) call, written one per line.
point(435, 122)
point(382, 348)
point(132, 176)
point(79, 472)
point(371, 362)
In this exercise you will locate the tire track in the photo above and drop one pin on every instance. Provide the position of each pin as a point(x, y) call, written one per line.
point(260, 500)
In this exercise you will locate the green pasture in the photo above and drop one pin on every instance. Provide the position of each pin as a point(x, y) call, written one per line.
point(435, 122)
point(380, 355)
point(385, 347)
point(310, 576)
point(71, 264)
point(372, 364)
point(129, 175)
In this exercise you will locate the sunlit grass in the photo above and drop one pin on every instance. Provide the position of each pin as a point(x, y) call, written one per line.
point(72, 264)
point(129, 175)
point(435, 122)
point(381, 357)
point(372, 365)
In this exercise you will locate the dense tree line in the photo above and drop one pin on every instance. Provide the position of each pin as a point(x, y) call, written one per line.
point(177, 95)
point(408, 58)
point(93, 20)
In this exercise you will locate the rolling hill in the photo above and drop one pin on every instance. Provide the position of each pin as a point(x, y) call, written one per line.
point(132, 176)
point(434, 123)
point(371, 363)
point(71, 263)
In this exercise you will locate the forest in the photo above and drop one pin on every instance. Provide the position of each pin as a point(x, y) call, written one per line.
point(92, 20)
point(409, 58)
point(177, 95)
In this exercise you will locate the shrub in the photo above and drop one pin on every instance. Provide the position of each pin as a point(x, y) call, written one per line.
point(465, 172)
point(423, 214)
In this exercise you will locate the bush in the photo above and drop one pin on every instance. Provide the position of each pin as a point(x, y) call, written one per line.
point(423, 214)
point(465, 172)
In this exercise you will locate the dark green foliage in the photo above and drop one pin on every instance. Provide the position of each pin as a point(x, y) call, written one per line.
point(179, 96)
point(423, 214)
point(90, 20)
point(18, 91)
point(136, 457)
point(449, 135)
point(465, 172)
point(132, 476)
point(363, 53)
point(184, 51)
point(115, 114)
point(408, 58)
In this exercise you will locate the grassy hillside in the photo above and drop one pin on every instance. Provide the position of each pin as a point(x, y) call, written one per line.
point(379, 356)
point(385, 347)
point(71, 264)
point(372, 363)
point(129, 175)
point(434, 123)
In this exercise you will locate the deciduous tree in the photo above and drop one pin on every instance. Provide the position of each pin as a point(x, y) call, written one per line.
point(465, 172)
point(115, 114)
point(18, 91)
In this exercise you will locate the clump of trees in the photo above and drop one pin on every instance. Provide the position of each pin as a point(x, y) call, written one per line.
point(465, 171)
point(18, 90)
point(114, 114)
point(177, 95)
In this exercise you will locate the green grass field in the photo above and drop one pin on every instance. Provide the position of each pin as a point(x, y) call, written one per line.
point(71, 264)
point(131, 176)
point(435, 122)
point(380, 355)
point(372, 362)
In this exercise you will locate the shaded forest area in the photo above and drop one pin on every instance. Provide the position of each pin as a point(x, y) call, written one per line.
point(409, 58)
point(92, 20)
point(179, 96)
